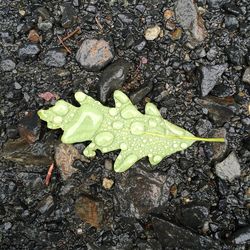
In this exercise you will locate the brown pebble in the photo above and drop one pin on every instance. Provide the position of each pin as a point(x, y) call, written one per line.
point(168, 14)
point(176, 34)
point(34, 36)
point(107, 183)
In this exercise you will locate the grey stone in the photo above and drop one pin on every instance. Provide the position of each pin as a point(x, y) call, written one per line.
point(229, 168)
point(246, 76)
point(55, 58)
point(28, 51)
point(95, 54)
point(203, 127)
point(44, 25)
point(241, 236)
point(7, 65)
point(209, 76)
point(188, 17)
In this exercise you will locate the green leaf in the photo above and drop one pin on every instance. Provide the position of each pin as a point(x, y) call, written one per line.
point(122, 127)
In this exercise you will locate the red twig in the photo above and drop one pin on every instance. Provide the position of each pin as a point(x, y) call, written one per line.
point(49, 173)
point(78, 29)
point(61, 42)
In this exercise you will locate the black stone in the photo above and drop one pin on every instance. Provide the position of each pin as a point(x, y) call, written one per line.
point(232, 9)
point(68, 16)
point(231, 22)
point(112, 78)
point(141, 92)
point(172, 236)
point(193, 215)
point(235, 55)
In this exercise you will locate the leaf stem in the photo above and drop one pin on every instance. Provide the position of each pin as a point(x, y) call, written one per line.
point(191, 138)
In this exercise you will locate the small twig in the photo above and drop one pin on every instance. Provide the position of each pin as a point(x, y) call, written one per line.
point(48, 176)
point(99, 24)
point(71, 34)
point(61, 42)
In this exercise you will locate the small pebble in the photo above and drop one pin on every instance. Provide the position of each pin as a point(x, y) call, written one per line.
point(107, 183)
point(152, 33)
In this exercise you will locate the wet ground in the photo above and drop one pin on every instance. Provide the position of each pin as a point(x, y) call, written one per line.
point(191, 60)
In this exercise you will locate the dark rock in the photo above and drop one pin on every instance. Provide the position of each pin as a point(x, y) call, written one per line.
point(235, 55)
point(29, 127)
point(12, 132)
point(95, 54)
point(231, 22)
point(246, 76)
point(43, 12)
point(140, 93)
point(90, 210)
point(212, 53)
point(68, 16)
point(76, 3)
point(245, 29)
point(55, 58)
point(241, 236)
point(216, 3)
point(146, 192)
point(6, 37)
point(188, 17)
point(217, 113)
point(172, 237)
point(7, 65)
point(126, 18)
point(219, 149)
point(91, 9)
point(28, 51)
point(28, 154)
point(140, 45)
point(203, 127)
point(129, 41)
point(228, 169)
point(198, 53)
point(150, 244)
point(17, 85)
point(209, 77)
point(248, 58)
point(46, 205)
point(232, 9)
point(246, 143)
point(193, 215)
point(44, 25)
point(112, 78)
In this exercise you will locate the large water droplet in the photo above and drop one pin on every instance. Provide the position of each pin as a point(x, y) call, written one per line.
point(104, 139)
point(123, 146)
point(117, 125)
point(137, 128)
point(89, 153)
point(80, 96)
point(184, 145)
point(113, 111)
point(61, 108)
point(57, 119)
point(157, 158)
point(130, 112)
point(152, 123)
